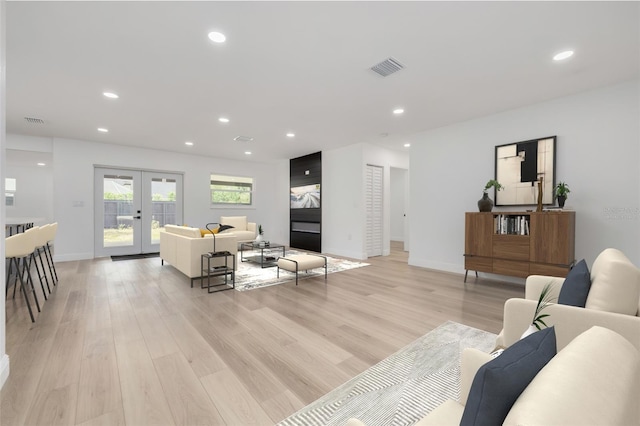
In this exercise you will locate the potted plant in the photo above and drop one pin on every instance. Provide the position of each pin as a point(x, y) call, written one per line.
point(544, 300)
point(561, 190)
point(260, 233)
point(485, 204)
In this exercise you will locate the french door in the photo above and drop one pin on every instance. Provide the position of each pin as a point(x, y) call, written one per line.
point(131, 207)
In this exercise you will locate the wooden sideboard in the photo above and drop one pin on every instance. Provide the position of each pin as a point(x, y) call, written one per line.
point(520, 244)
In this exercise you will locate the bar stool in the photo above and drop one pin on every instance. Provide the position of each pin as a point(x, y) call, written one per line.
point(41, 241)
point(50, 235)
point(37, 236)
point(18, 248)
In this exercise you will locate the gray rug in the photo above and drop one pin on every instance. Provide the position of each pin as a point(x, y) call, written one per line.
point(250, 276)
point(403, 388)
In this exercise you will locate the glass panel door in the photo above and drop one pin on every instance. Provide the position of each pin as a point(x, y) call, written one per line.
point(131, 207)
point(163, 203)
point(117, 212)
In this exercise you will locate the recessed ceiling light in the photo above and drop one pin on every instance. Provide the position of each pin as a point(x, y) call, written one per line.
point(247, 153)
point(398, 111)
point(563, 55)
point(188, 143)
point(223, 120)
point(217, 37)
point(41, 164)
point(103, 130)
point(407, 145)
point(291, 135)
point(110, 95)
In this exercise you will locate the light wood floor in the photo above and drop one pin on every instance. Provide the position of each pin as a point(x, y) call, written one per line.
point(131, 343)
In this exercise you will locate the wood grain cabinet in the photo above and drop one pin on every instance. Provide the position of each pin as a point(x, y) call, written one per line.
point(520, 244)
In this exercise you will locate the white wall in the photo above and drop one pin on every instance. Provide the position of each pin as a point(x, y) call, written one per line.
point(34, 191)
point(73, 169)
point(343, 209)
point(4, 359)
point(398, 198)
point(598, 152)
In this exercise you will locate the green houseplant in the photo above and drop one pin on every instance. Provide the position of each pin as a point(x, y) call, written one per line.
point(561, 190)
point(260, 232)
point(544, 300)
point(485, 204)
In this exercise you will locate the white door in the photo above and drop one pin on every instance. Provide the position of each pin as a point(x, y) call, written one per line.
point(375, 225)
point(131, 207)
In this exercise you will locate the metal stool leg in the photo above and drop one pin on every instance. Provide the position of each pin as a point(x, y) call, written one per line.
point(32, 258)
point(44, 271)
point(30, 281)
point(53, 265)
point(24, 291)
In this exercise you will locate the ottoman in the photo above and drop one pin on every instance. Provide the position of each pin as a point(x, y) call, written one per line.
point(302, 262)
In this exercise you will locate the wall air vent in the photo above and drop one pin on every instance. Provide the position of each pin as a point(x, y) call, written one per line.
point(32, 120)
point(242, 139)
point(387, 67)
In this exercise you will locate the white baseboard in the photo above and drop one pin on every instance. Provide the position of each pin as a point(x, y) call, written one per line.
point(4, 369)
point(71, 257)
point(343, 253)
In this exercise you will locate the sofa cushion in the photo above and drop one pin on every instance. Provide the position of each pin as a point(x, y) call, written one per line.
point(223, 228)
point(239, 222)
point(498, 383)
point(615, 284)
point(592, 381)
point(576, 286)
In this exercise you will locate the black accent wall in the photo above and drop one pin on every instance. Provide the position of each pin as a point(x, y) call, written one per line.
point(305, 225)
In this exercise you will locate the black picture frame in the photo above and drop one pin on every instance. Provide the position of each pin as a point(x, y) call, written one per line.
point(519, 166)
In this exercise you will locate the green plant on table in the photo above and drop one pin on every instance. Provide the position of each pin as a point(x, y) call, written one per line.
point(260, 231)
point(493, 183)
point(562, 189)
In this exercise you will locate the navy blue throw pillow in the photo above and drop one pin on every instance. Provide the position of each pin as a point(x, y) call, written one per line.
point(498, 383)
point(576, 286)
point(224, 228)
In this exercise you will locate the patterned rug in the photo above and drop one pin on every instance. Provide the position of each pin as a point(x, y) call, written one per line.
point(403, 388)
point(250, 276)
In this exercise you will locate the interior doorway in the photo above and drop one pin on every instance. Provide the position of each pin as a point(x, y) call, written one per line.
point(399, 209)
point(131, 207)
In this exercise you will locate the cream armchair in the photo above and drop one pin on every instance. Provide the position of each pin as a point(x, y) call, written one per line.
point(244, 231)
point(613, 302)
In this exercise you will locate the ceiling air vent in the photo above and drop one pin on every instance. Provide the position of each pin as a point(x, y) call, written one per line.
point(242, 139)
point(386, 67)
point(32, 120)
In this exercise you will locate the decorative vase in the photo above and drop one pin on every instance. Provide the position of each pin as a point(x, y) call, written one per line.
point(529, 331)
point(485, 204)
point(259, 238)
point(561, 200)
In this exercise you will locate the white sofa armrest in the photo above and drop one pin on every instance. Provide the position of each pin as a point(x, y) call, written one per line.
point(535, 283)
point(570, 321)
point(472, 360)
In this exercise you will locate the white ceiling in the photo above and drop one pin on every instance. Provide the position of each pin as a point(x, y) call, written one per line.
point(298, 66)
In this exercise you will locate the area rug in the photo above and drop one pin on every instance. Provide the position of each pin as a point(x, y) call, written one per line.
point(403, 388)
point(250, 276)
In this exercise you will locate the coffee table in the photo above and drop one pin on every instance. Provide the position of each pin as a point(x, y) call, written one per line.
point(265, 254)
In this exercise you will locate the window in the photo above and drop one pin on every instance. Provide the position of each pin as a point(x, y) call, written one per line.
point(231, 190)
point(9, 192)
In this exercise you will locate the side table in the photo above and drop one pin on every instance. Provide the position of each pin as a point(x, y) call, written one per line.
point(209, 272)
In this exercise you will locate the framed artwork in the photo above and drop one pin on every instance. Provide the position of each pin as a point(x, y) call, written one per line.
point(519, 167)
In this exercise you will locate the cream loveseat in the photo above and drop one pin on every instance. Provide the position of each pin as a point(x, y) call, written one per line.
point(593, 380)
point(182, 247)
point(244, 231)
point(613, 301)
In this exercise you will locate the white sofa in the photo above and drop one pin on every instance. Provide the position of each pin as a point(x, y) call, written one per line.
point(613, 302)
point(244, 231)
point(593, 380)
point(182, 247)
